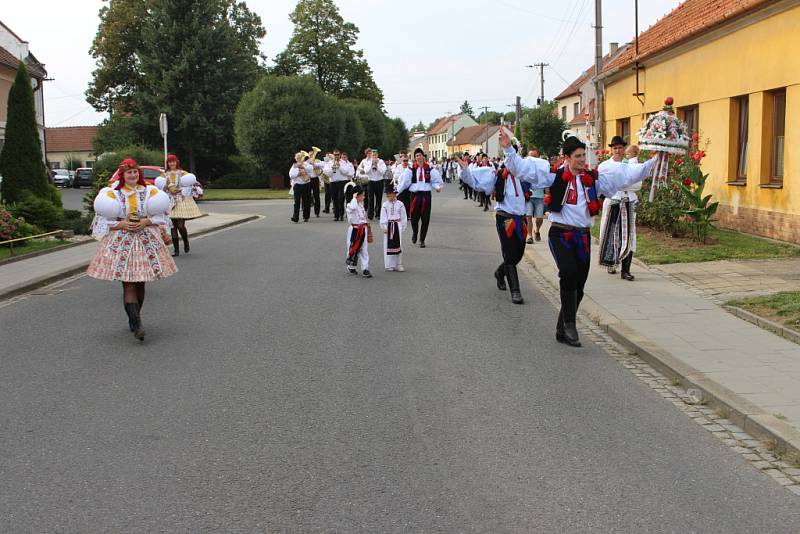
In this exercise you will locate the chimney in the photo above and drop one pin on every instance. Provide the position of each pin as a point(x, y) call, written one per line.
point(612, 48)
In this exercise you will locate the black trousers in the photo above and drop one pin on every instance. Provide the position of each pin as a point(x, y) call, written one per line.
point(302, 195)
point(513, 246)
point(337, 194)
point(374, 197)
point(405, 198)
point(315, 195)
point(328, 196)
point(572, 252)
point(420, 211)
point(466, 189)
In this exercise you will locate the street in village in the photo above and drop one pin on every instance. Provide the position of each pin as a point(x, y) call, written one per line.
point(277, 393)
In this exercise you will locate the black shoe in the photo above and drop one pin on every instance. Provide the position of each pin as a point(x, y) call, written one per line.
point(627, 276)
point(414, 238)
point(326, 211)
point(305, 220)
point(422, 244)
point(513, 284)
point(132, 310)
point(186, 247)
point(560, 336)
point(294, 220)
point(500, 276)
point(366, 274)
point(317, 214)
point(569, 310)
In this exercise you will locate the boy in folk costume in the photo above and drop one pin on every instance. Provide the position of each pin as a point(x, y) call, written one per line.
point(393, 224)
point(178, 184)
point(357, 234)
point(573, 203)
point(420, 179)
point(618, 224)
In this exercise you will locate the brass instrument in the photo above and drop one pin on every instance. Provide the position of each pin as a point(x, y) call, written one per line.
point(374, 160)
point(300, 159)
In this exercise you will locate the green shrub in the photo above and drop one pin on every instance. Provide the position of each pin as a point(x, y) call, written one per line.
point(77, 222)
point(38, 211)
point(109, 161)
point(239, 181)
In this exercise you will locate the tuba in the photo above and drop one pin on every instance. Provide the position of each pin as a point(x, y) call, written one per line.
point(300, 159)
point(312, 159)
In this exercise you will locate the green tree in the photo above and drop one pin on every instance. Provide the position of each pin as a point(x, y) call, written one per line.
point(116, 132)
point(197, 58)
point(510, 117)
point(72, 162)
point(542, 128)
point(21, 161)
point(396, 137)
point(115, 48)
point(323, 46)
point(467, 108)
point(490, 117)
point(352, 138)
point(419, 127)
point(374, 122)
point(283, 114)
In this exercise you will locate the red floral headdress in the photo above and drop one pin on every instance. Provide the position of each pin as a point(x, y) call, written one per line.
point(127, 165)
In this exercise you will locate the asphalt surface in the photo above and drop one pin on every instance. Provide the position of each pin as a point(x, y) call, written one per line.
point(276, 393)
point(72, 199)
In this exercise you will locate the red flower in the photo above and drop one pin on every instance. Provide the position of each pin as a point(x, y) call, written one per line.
point(695, 138)
point(678, 162)
point(687, 182)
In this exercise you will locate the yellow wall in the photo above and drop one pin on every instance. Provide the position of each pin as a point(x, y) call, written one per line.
point(749, 61)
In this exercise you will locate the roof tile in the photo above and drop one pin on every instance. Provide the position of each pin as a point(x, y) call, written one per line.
point(70, 138)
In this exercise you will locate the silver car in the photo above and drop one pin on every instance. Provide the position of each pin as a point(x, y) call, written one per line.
point(62, 177)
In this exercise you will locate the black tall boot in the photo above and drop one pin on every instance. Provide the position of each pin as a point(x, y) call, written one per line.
point(131, 323)
point(132, 308)
point(185, 235)
point(175, 244)
point(560, 328)
point(569, 311)
point(500, 276)
point(513, 284)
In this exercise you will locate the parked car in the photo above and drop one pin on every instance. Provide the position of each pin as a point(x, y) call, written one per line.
point(62, 178)
point(83, 176)
point(151, 172)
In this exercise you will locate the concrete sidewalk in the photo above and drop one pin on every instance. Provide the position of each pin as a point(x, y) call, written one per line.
point(748, 372)
point(26, 274)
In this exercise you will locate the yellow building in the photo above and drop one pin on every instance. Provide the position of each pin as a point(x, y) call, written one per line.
point(734, 72)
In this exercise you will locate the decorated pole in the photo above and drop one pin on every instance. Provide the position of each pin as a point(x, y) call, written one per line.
point(665, 134)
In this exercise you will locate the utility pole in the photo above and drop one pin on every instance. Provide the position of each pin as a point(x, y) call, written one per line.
point(598, 68)
point(541, 67)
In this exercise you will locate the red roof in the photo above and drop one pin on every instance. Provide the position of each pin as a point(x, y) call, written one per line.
point(70, 138)
point(443, 124)
point(35, 69)
point(690, 19)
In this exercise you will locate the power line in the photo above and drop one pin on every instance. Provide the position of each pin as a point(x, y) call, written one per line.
point(559, 75)
point(538, 14)
point(572, 32)
point(504, 99)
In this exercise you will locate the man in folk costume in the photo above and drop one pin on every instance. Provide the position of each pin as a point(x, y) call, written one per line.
point(618, 224)
point(399, 168)
point(572, 203)
point(510, 218)
point(375, 168)
point(300, 175)
point(178, 184)
point(358, 232)
point(420, 179)
point(393, 224)
point(340, 172)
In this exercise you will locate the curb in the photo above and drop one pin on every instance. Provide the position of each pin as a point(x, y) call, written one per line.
point(73, 270)
point(14, 259)
point(775, 328)
point(753, 419)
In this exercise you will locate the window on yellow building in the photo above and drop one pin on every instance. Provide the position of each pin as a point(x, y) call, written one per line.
point(777, 137)
point(743, 107)
point(624, 129)
point(691, 116)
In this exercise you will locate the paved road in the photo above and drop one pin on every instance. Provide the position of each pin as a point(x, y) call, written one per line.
point(276, 393)
point(72, 199)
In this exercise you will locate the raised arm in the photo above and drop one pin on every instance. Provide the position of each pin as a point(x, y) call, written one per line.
point(404, 180)
point(535, 171)
point(436, 180)
point(481, 178)
point(613, 178)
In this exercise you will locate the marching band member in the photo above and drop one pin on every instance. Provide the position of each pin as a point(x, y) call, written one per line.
point(420, 179)
point(132, 250)
point(178, 184)
point(357, 234)
point(393, 224)
point(375, 168)
point(326, 183)
point(572, 203)
point(340, 172)
point(300, 175)
point(316, 179)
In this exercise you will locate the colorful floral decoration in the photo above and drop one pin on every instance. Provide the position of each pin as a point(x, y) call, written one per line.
point(665, 134)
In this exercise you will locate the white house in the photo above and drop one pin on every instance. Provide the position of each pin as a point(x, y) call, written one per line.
point(444, 130)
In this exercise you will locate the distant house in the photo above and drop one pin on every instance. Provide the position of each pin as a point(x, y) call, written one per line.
point(13, 50)
point(478, 138)
point(443, 131)
point(72, 140)
point(417, 140)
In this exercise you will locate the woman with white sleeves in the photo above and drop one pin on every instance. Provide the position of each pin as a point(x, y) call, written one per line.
point(178, 184)
point(572, 202)
point(132, 251)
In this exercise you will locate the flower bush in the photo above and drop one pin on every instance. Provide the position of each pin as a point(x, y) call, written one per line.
point(13, 227)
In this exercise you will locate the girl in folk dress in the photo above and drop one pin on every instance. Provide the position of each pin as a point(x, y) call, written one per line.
point(132, 251)
point(393, 223)
point(178, 184)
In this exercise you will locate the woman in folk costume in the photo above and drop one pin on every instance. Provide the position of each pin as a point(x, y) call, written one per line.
point(178, 184)
point(357, 234)
point(420, 179)
point(393, 224)
point(572, 203)
point(510, 218)
point(618, 224)
point(132, 250)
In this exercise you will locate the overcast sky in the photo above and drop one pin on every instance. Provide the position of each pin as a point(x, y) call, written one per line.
point(427, 58)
